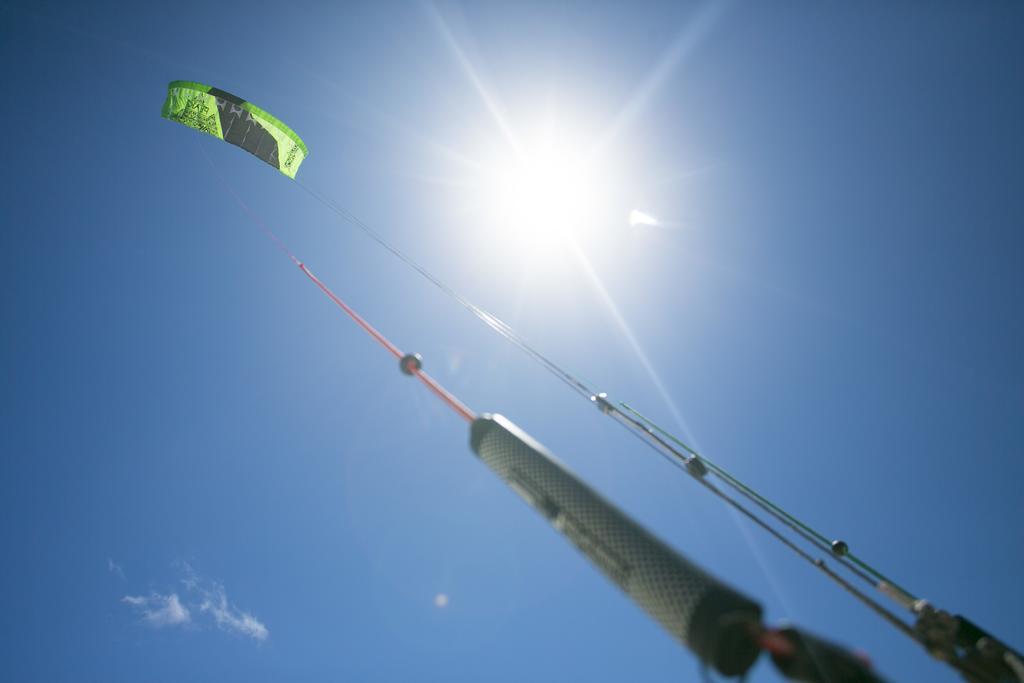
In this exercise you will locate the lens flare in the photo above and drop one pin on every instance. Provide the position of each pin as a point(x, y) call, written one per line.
point(640, 218)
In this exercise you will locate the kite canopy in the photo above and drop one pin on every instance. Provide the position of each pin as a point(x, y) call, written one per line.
point(234, 120)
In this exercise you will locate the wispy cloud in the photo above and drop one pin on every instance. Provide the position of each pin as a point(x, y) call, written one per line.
point(115, 568)
point(230, 618)
point(201, 599)
point(214, 601)
point(160, 610)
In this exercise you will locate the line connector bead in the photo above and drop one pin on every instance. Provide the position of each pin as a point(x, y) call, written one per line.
point(411, 363)
point(602, 403)
point(696, 467)
point(839, 548)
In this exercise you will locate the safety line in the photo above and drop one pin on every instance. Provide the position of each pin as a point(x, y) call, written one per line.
point(414, 369)
point(370, 329)
point(446, 396)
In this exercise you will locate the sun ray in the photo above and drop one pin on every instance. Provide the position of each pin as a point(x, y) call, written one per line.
point(634, 343)
point(686, 42)
point(490, 102)
point(393, 122)
point(641, 356)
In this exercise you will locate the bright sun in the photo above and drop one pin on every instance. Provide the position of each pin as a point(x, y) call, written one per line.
point(544, 196)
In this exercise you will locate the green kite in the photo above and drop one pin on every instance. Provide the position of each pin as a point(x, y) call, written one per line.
point(234, 120)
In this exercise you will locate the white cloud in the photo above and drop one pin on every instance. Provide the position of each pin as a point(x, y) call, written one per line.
point(229, 617)
point(191, 579)
point(214, 601)
point(202, 598)
point(160, 610)
point(115, 568)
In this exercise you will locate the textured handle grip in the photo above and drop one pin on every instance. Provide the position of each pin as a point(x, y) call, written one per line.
point(713, 620)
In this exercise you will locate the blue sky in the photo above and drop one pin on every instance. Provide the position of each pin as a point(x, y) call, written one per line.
point(208, 473)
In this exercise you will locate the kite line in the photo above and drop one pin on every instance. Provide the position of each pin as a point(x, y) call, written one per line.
point(409, 363)
point(947, 637)
point(721, 626)
point(659, 439)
